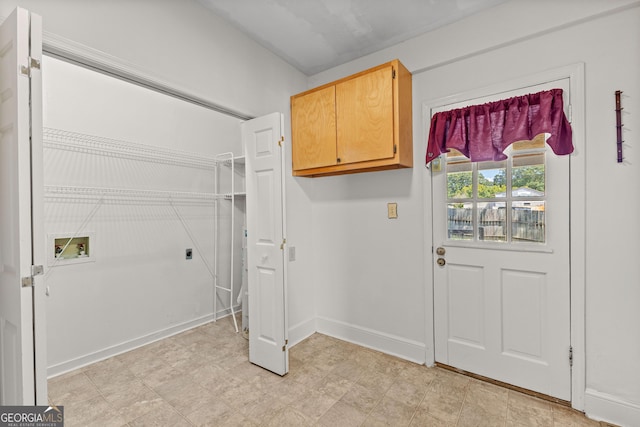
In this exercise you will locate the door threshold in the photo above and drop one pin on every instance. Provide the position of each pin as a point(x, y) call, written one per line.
point(506, 385)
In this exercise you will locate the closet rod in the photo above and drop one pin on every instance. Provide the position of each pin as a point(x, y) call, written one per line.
point(65, 51)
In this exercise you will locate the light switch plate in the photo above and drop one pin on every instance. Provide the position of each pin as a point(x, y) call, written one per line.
point(392, 210)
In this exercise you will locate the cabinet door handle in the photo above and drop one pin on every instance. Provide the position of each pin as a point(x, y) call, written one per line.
point(338, 159)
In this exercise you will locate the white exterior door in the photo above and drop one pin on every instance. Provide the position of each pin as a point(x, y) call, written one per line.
point(22, 372)
point(262, 138)
point(501, 263)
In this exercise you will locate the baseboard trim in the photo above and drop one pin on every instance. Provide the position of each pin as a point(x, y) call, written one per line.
point(611, 409)
point(393, 345)
point(302, 330)
point(87, 359)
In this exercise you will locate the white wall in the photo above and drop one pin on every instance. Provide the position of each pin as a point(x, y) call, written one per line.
point(139, 285)
point(186, 46)
point(369, 274)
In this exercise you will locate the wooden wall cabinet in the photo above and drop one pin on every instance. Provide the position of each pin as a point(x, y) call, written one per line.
point(360, 123)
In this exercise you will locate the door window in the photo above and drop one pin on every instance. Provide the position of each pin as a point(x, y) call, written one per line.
point(498, 201)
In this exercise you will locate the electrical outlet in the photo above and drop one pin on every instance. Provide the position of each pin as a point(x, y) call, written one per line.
point(189, 253)
point(292, 253)
point(392, 210)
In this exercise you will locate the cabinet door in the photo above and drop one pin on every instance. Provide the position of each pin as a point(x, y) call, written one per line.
point(313, 124)
point(364, 111)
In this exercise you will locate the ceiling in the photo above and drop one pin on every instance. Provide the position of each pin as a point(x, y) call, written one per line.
point(315, 35)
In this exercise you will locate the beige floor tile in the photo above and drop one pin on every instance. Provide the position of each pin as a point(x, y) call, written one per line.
point(203, 377)
point(390, 411)
point(167, 416)
point(141, 361)
point(183, 394)
point(239, 394)
point(525, 410)
point(210, 413)
point(362, 398)
point(477, 415)
point(407, 392)
point(334, 386)
point(342, 415)
point(162, 374)
point(92, 412)
point(567, 417)
point(422, 418)
point(313, 405)
point(288, 417)
point(418, 375)
point(288, 390)
point(486, 399)
point(376, 381)
point(349, 369)
point(110, 375)
point(262, 410)
point(134, 401)
point(71, 387)
point(445, 407)
point(308, 375)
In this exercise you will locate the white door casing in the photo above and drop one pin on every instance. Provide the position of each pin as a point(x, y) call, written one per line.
point(503, 310)
point(22, 328)
point(263, 139)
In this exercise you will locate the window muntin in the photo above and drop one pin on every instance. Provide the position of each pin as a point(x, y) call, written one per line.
point(498, 201)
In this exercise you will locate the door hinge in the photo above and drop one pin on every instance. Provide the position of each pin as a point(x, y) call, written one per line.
point(33, 63)
point(570, 356)
point(570, 118)
point(284, 242)
point(281, 141)
point(36, 270)
point(284, 347)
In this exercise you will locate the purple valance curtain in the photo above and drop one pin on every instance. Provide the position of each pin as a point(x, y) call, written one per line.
point(483, 132)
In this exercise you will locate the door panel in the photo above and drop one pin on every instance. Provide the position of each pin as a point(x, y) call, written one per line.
point(501, 298)
point(17, 254)
point(265, 243)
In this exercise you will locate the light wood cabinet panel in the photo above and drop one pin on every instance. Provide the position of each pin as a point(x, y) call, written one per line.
point(313, 126)
point(357, 124)
point(364, 112)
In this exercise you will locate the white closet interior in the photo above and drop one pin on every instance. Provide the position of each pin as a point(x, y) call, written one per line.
point(156, 185)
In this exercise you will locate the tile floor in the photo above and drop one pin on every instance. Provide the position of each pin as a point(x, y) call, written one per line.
point(203, 377)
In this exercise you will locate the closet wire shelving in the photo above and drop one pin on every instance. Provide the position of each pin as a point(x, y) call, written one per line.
point(232, 162)
point(107, 147)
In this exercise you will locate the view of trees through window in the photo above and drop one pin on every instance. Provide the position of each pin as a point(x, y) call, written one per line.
point(460, 184)
point(498, 200)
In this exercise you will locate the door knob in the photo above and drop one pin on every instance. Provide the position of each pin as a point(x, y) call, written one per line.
point(440, 251)
point(441, 262)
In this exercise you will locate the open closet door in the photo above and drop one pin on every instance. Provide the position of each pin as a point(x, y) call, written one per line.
point(262, 138)
point(22, 374)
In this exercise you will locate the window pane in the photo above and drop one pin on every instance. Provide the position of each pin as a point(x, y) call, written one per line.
point(492, 181)
point(528, 221)
point(491, 221)
point(459, 180)
point(460, 221)
point(527, 175)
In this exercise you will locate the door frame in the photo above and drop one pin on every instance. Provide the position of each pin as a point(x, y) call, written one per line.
point(577, 213)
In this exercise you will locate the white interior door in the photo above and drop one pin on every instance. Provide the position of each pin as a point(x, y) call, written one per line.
point(501, 263)
point(265, 242)
point(22, 374)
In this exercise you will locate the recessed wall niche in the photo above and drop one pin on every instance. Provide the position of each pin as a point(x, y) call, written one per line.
point(69, 248)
